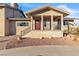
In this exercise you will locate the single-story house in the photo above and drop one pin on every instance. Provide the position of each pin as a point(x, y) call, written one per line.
point(45, 21)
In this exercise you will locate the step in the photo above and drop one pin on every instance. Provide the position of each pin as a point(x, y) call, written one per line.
point(47, 34)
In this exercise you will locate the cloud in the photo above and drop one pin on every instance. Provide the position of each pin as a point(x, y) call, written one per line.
point(73, 12)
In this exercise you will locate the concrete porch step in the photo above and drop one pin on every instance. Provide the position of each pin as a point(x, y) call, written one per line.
point(47, 34)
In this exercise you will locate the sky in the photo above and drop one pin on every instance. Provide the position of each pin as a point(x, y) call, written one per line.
point(73, 8)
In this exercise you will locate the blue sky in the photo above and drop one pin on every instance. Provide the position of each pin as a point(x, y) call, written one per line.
point(73, 8)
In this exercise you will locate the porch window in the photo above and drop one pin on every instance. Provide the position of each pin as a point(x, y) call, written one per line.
point(22, 24)
point(65, 22)
point(47, 23)
point(57, 23)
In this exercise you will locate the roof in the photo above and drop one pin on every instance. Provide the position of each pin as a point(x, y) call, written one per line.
point(71, 18)
point(47, 7)
point(19, 19)
point(8, 6)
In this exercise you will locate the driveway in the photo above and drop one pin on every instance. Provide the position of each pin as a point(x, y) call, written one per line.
point(48, 50)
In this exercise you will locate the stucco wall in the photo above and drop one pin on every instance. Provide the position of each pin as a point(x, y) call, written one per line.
point(9, 12)
point(21, 28)
point(10, 26)
point(7, 31)
point(2, 22)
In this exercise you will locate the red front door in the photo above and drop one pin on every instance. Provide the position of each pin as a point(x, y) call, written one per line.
point(37, 24)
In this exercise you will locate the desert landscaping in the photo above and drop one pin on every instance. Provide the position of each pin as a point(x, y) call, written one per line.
point(67, 45)
point(13, 42)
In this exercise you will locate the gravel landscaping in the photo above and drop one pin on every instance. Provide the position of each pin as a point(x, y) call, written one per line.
point(9, 42)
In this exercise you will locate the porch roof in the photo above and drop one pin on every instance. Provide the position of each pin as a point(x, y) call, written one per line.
point(47, 8)
point(19, 19)
point(72, 19)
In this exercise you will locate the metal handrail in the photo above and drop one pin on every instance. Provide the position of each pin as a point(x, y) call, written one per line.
point(25, 31)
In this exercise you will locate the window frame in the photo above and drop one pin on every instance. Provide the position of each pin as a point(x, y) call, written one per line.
point(22, 23)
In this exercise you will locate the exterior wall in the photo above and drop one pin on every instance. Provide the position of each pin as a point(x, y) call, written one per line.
point(7, 30)
point(9, 12)
point(10, 26)
point(21, 28)
point(2, 22)
point(17, 14)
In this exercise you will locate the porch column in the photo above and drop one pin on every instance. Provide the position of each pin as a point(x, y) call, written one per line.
point(41, 22)
point(31, 22)
point(51, 22)
point(62, 22)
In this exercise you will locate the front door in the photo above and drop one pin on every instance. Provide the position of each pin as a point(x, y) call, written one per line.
point(37, 24)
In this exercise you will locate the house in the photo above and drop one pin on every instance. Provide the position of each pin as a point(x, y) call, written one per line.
point(45, 21)
point(72, 23)
point(7, 11)
point(71, 20)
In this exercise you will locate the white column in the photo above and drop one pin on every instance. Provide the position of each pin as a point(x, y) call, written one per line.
point(41, 22)
point(51, 22)
point(31, 23)
point(62, 22)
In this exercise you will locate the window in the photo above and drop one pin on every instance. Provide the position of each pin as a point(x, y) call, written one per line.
point(46, 25)
point(57, 23)
point(23, 24)
point(65, 23)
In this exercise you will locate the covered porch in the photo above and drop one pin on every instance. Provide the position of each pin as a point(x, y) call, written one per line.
point(47, 22)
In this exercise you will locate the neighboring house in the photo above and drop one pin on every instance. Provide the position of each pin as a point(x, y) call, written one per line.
point(8, 27)
point(45, 21)
point(72, 21)
point(71, 24)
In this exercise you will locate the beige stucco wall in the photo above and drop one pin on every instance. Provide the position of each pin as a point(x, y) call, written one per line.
point(2, 22)
point(21, 28)
point(7, 24)
point(12, 28)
